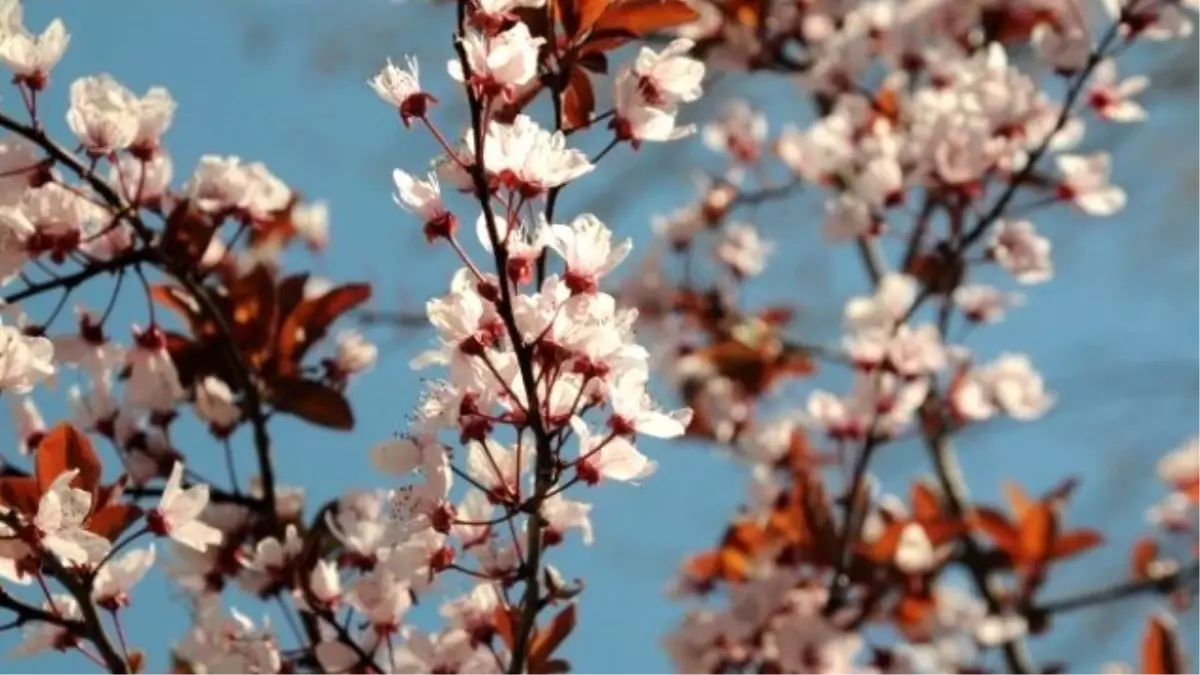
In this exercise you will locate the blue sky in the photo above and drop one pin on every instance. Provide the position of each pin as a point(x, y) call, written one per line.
point(282, 82)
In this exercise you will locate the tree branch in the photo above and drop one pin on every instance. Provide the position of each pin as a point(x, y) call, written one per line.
point(1165, 584)
point(954, 489)
point(243, 375)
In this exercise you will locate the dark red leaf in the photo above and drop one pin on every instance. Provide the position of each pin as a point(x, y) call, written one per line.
point(110, 521)
point(312, 401)
point(20, 493)
point(311, 318)
point(253, 312)
point(182, 303)
point(188, 233)
point(595, 62)
point(579, 101)
point(291, 293)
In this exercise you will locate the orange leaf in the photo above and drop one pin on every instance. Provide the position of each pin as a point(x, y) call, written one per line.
point(65, 449)
point(578, 100)
point(505, 625)
point(911, 615)
point(1038, 529)
point(943, 531)
point(312, 401)
point(1161, 652)
point(883, 549)
point(997, 526)
point(1145, 552)
point(1074, 542)
point(640, 18)
point(703, 569)
point(926, 504)
point(589, 11)
point(1018, 503)
point(545, 642)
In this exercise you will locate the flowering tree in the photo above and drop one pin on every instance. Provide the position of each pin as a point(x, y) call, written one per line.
point(544, 386)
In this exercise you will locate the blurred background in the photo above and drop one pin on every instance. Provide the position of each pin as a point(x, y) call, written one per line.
point(1115, 334)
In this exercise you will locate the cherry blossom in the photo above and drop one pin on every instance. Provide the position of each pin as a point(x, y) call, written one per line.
point(177, 515)
point(423, 198)
point(743, 251)
point(1111, 99)
point(587, 248)
point(25, 360)
point(115, 579)
point(104, 115)
point(402, 89)
point(42, 636)
point(1019, 249)
point(1085, 182)
point(529, 159)
point(499, 64)
point(613, 457)
point(32, 57)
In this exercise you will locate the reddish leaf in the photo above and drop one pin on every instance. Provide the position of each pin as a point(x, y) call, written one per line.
point(110, 521)
point(551, 666)
point(944, 531)
point(567, 12)
point(578, 101)
point(589, 11)
point(65, 449)
point(20, 493)
point(1145, 552)
point(190, 358)
point(996, 526)
point(544, 643)
point(926, 504)
point(291, 293)
point(1161, 652)
point(505, 626)
point(1018, 503)
point(1075, 542)
point(182, 303)
point(253, 312)
point(883, 549)
point(1038, 529)
point(187, 235)
point(911, 614)
point(311, 318)
point(643, 17)
point(314, 402)
point(595, 62)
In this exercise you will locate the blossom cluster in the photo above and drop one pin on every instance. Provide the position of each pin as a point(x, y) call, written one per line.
point(934, 148)
point(545, 386)
point(932, 131)
point(209, 250)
